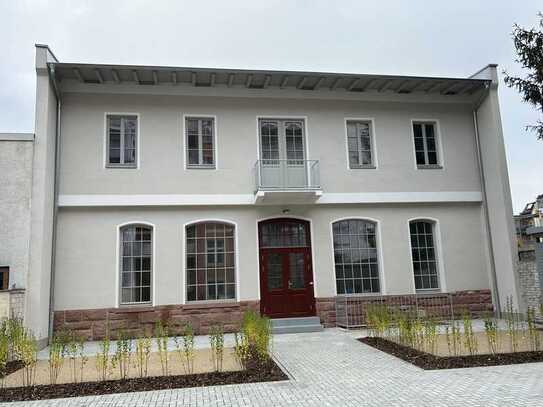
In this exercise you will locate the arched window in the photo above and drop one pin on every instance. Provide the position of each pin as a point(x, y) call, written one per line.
point(210, 266)
point(355, 256)
point(136, 263)
point(423, 253)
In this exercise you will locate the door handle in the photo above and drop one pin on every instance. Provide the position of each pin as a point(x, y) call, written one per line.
point(310, 283)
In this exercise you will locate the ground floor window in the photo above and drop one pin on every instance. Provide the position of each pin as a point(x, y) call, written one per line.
point(210, 261)
point(136, 263)
point(423, 253)
point(355, 256)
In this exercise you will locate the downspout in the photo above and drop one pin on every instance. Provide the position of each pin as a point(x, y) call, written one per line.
point(51, 70)
point(493, 277)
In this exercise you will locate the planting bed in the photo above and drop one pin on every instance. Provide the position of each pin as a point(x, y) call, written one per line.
point(430, 361)
point(255, 372)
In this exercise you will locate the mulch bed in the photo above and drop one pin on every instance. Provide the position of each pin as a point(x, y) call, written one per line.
point(428, 361)
point(258, 372)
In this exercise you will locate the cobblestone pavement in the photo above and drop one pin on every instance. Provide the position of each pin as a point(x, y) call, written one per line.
point(331, 368)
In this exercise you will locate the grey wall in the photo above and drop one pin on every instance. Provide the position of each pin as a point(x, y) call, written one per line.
point(15, 187)
point(161, 154)
point(86, 274)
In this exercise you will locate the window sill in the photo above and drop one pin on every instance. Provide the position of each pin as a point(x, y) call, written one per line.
point(201, 167)
point(429, 291)
point(120, 166)
point(354, 295)
point(226, 303)
point(429, 167)
point(134, 306)
point(363, 167)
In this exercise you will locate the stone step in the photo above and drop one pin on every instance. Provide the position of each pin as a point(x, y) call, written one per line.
point(296, 325)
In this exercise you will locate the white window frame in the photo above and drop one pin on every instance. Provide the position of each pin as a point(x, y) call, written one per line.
point(438, 251)
point(184, 138)
point(373, 145)
point(118, 282)
point(184, 284)
point(439, 144)
point(113, 166)
point(380, 262)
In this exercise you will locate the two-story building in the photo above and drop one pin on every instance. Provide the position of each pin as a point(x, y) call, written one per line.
point(191, 194)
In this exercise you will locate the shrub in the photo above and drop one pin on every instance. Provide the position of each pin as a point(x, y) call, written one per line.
point(533, 333)
point(513, 324)
point(26, 350)
point(143, 353)
point(4, 351)
point(185, 348)
point(254, 341)
point(216, 339)
point(122, 354)
point(161, 334)
point(491, 331)
point(470, 340)
point(57, 350)
point(103, 363)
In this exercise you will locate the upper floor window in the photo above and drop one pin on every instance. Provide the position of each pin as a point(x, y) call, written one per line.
point(355, 256)
point(423, 253)
point(425, 139)
point(122, 135)
point(210, 261)
point(136, 263)
point(200, 142)
point(359, 144)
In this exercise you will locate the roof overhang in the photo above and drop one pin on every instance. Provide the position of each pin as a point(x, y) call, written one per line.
point(72, 76)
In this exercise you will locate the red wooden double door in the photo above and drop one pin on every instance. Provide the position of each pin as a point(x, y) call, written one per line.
point(286, 276)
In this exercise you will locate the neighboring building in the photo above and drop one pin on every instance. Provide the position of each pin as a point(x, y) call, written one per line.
point(15, 190)
point(531, 215)
point(189, 194)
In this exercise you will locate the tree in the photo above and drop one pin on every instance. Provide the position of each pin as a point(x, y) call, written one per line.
point(529, 47)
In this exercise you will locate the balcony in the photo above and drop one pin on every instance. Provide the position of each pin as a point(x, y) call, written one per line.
point(287, 181)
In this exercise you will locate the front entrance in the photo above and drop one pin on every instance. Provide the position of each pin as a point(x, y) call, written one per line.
point(286, 277)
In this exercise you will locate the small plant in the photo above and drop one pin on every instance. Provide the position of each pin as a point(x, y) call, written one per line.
point(533, 333)
point(122, 355)
point(27, 352)
point(143, 353)
point(4, 351)
point(161, 334)
point(470, 340)
point(430, 333)
point(103, 362)
point(378, 318)
point(513, 323)
point(241, 348)
point(491, 331)
point(74, 346)
point(216, 339)
point(57, 351)
point(184, 346)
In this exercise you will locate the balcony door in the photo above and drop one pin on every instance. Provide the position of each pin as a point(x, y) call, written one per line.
point(282, 154)
point(286, 277)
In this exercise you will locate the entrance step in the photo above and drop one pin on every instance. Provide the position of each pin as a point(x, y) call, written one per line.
point(296, 325)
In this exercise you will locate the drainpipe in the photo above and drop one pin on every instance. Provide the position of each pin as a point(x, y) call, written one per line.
point(493, 277)
point(51, 71)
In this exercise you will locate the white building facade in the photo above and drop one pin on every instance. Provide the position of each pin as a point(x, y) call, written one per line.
point(188, 194)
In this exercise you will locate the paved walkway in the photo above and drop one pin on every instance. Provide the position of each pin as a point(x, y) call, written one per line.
point(331, 368)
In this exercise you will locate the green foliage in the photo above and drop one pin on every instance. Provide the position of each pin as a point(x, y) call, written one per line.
point(4, 350)
point(491, 331)
point(533, 332)
point(216, 339)
point(529, 48)
point(254, 341)
point(378, 319)
point(430, 334)
point(513, 324)
point(143, 354)
point(57, 351)
point(161, 335)
point(103, 362)
point(123, 353)
point(470, 340)
point(25, 349)
point(185, 348)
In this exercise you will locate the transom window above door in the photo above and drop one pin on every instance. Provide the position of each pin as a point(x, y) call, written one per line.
point(122, 141)
point(200, 142)
point(282, 140)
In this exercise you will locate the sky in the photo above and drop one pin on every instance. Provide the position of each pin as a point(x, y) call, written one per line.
point(415, 37)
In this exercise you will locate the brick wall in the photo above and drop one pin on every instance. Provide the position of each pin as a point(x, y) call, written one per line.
point(137, 321)
point(530, 286)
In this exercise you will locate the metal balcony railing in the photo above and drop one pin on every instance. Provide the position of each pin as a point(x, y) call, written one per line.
point(287, 175)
